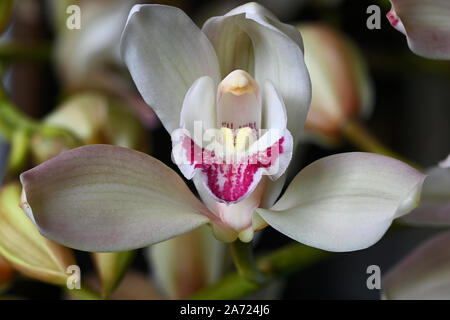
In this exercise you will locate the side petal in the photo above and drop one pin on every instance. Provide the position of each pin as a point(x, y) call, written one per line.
point(345, 202)
point(424, 274)
point(106, 198)
point(339, 76)
point(277, 51)
point(199, 105)
point(165, 53)
point(434, 208)
point(425, 24)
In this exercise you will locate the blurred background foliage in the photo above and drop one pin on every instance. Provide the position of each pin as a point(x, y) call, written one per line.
point(65, 95)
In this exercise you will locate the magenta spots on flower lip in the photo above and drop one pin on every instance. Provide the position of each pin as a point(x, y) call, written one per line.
point(230, 182)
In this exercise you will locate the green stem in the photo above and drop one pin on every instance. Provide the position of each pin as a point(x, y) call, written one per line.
point(12, 119)
point(245, 263)
point(279, 263)
point(355, 132)
point(85, 293)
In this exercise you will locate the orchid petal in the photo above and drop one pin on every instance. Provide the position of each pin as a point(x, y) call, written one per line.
point(434, 208)
point(237, 217)
point(423, 274)
point(345, 202)
point(277, 54)
point(106, 198)
point(165, 53)
point(275, 119)
point(425, 24)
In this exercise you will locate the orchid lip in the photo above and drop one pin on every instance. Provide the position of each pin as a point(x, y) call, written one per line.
point(231, 158)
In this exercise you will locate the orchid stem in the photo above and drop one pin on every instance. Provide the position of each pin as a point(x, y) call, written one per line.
point(282, 262)
point(357, 134)
point(245, 263)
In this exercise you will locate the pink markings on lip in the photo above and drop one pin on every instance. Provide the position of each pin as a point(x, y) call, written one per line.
point(231, 182)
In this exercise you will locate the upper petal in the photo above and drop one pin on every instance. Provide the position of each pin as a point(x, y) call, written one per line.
point(426, 25)
point(423, 274)
point(277, 51)
point(107, 198)
point(165, 53)
point(345, 202)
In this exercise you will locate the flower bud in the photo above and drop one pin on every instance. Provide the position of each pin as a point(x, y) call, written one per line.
point(341, 87)
point(185, 264)
point(24, 247)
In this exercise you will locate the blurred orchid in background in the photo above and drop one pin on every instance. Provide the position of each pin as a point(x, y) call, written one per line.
point(89, 58)
point(424, 274)
point(342, 92)
point(425, 24)
point(4, 154)
point(339, 203)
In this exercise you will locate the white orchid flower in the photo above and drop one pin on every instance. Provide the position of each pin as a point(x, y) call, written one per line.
point(107, 198)
point(422, 275)
point(426, 25)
